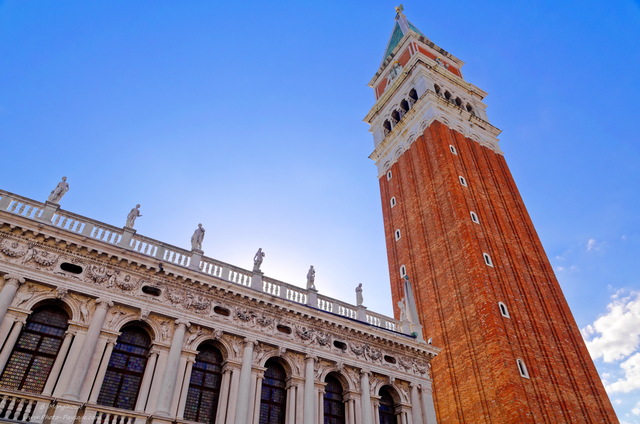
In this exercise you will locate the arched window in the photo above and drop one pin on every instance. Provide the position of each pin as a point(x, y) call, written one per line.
point(387, 127)
point(204, 386)
point(413, 95)
point(36, 349)
point(404, 105)
point(126, 368)
point(396, 116)
point(436, 87)
point(273, 397)
point(333, 401)
point(386, 410)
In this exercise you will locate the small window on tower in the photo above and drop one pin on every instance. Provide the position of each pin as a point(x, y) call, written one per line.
point(469, 107)
point(393, 201)
point(463, 181)
point(397, 235)
point(413, 94)
point(395, 116)
point(389, 175)
point(436, 87)
point(453, 149)
point(447, 95)
point(487, 259)
point(503, 310)
point(387, 127)
point(474, 217)
point(522, 368)
point(404, 105)
point(458, 101)
point(403, 271)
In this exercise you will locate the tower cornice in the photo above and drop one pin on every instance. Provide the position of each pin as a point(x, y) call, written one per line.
point(420, 60)
point(429, 108)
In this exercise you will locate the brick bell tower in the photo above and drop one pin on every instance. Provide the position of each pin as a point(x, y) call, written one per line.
point(457, 227)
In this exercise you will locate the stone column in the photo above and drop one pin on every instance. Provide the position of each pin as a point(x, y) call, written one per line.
point(191, 359)
point(320, 402)
point(94, 366)
point(375, 406)
point(81, 365)
point(428, 408)
point(11, 285)
point(309, 390)
point(291, 402)
point(242, 407)
point(147, 378)
point(102, 371)
point(416, 410)
point(256, 398)
point(180, 384)
point(223, 400)
point(171, 369)
point(367, 412)
point(57, 365)
point(234, 386)
point(11, 341)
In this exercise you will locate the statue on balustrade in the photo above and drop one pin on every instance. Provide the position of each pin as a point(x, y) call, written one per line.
point(311, 278)
point(257, 260)
point(131, 218)
point(359, 298)
point(59, 191)
point(197, 237)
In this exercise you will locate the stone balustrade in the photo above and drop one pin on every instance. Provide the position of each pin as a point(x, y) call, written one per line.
point(168, 254)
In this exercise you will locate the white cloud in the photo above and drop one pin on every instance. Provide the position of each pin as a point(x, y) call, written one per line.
point(636, 409)
point(616, 334)
point(630, 381)
point(591, 245)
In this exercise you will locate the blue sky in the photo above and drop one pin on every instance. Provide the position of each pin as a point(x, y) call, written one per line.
point(248, 118)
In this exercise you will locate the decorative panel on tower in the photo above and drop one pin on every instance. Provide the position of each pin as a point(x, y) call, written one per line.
point(457, 228)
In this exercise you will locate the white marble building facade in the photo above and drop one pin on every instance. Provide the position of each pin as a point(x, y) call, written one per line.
point(101, 325)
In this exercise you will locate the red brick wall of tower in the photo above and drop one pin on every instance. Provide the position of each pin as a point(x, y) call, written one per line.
point(476, 378)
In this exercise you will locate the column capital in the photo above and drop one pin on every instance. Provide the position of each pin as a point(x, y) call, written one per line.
point(183, 321)
point(14, 279)
point(311, 357)
point(250, 341)
point(21, 319)
point(101, 302)
point(365, 372)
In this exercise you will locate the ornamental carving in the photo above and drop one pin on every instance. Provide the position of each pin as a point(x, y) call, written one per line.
point(305, 333)
point(43, 258)
point(174, 296)
point(98, 274)
point(358, 350)
point(405, 363)
point(264, 321)
point(373, 353)
point(197, 303)
point(12, 248)
point(244, 314)
point(323, 338)
point(127, 284)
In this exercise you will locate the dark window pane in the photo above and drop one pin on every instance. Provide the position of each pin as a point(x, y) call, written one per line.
point(35, 350)
point(126, 369)
point(204, 386)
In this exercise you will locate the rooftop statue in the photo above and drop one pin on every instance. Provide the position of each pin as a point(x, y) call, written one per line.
point(59, 191)
point(311, 278)
point(359, 299)
point(131, 218)
point(257, 260)
point(197, 237)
